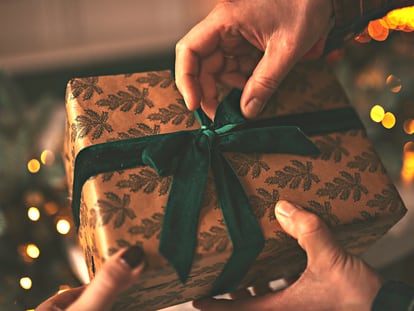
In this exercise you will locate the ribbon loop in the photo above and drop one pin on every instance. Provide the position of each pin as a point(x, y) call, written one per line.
point(186, 155)
point(165, 153)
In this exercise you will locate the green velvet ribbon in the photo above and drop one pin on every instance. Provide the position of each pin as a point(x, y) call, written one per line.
point(187, 156)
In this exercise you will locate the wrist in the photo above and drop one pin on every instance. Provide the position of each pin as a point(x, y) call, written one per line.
point(358, 285)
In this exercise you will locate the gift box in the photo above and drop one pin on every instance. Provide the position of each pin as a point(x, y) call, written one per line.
point(198, 196)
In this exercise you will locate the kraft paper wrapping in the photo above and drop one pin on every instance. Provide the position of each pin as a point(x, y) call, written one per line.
point(346, 184)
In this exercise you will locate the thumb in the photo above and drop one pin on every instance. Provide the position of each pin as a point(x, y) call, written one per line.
point(118, 273)
point(310, 231)
point(265, 79)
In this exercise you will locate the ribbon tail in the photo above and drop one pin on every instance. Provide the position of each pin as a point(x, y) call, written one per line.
point(243, 228)
point(179, 232)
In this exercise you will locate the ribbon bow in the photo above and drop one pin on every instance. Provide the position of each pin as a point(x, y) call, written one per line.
point(187, 155)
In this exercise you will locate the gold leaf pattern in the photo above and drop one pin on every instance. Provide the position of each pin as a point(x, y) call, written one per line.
point(294, 176)
point(92, 121)
point(344, 187)
point(174, 113)
point(125, 101)
point(115, 208)
point(86, 86)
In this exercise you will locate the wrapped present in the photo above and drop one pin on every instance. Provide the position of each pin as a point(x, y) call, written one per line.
point(199, 196)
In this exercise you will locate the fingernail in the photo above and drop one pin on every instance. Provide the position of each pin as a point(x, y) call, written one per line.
point(133, 256)
point(254, 107)
point(285, 208)
point(185, 98)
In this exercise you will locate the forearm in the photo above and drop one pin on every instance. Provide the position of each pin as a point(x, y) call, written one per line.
point(351, 16)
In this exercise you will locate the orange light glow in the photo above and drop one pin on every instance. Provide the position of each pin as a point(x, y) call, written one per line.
point(407, 170)
point(33, 166)
point(393, 83)
point(389, 120)
point(399, 19)
point(409, 126)
point(51, 207)
point(377, 30)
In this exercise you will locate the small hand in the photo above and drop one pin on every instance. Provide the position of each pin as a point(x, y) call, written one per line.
point(118, 273)
point(332, 280)
point(250, 44)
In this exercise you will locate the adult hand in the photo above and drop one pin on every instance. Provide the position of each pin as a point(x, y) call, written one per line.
point(333, 279)
point(118, 273)
point(227, 47)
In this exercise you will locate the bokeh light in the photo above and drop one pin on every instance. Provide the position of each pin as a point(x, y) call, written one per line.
point(33, 166)
point(393, 83)
point(26, 283)
point(399, 19)
point(389, 120)
point(407, 169)
point(378, 30)
point(408, 126)
point(51, 207)
point(33, 213)
point(409, 147)
point(377, 113)
point(63, 226)
point(47, 157)
point(32, 251)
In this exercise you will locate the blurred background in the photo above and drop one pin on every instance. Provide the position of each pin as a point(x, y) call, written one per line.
point(44, 43)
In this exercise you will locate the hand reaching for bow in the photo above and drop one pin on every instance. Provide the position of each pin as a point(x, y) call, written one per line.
point(250, 44)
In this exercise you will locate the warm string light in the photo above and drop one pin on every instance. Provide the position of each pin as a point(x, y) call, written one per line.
point(33, 166)
point(47, 158)
point(33, 213)
point(25, 283)
point(400, 19)
point(396, 20)
point(408, 126)
point(378, 115)
point(389, 120)
point(63, 226)
point(32, 251)
point(393, 83)
point(407, 170)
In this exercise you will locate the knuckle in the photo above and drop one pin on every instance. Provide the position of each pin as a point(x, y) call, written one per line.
point(268, 83)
